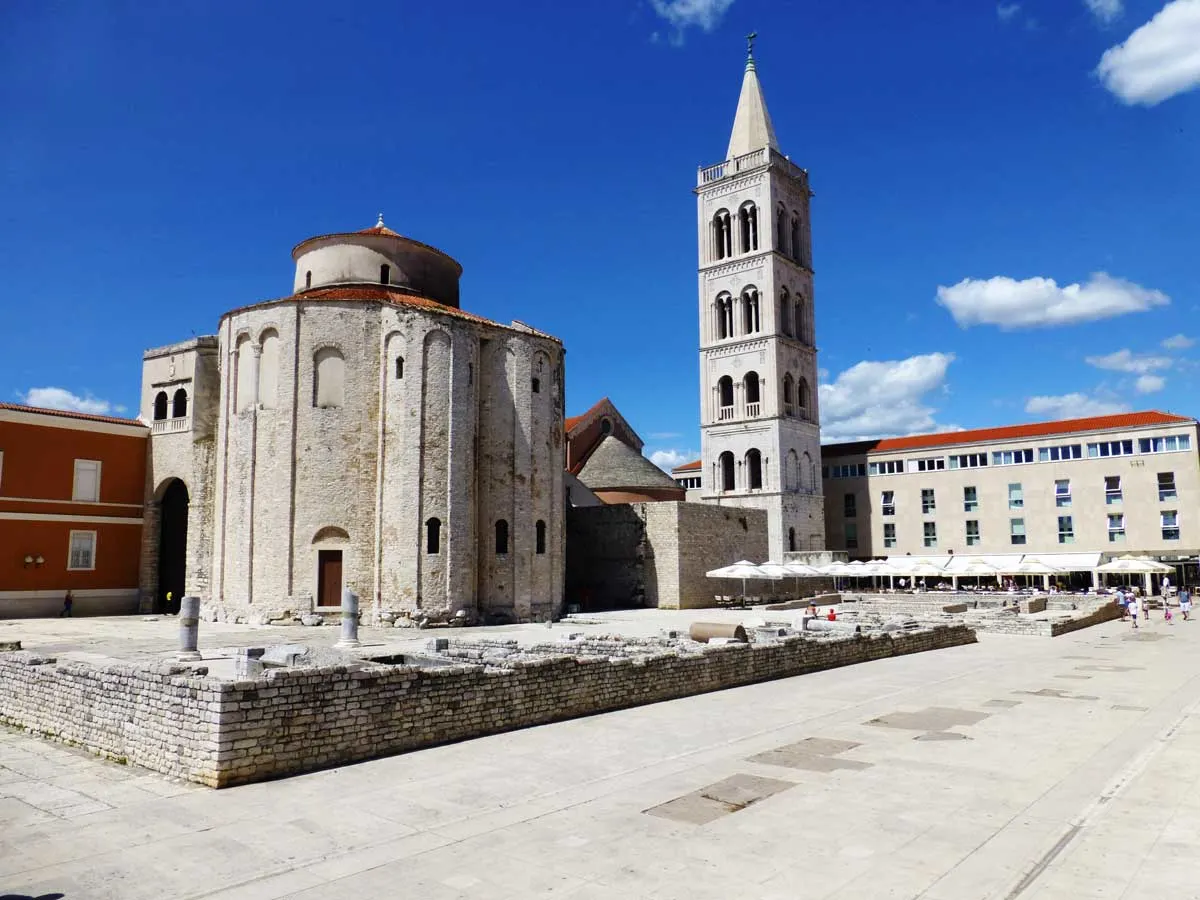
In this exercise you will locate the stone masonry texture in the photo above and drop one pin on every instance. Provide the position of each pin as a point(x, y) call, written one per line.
point(287, 721)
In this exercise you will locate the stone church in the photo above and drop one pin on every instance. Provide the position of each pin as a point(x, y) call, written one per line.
point(364, 431)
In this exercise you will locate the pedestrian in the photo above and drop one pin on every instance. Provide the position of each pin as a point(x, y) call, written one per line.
point(1185, 603)
point(1135, 605)
point(832, 617)
point(1167, 615)
point(68, 602)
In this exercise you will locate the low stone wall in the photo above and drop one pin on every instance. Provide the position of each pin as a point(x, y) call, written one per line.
point(288, 721)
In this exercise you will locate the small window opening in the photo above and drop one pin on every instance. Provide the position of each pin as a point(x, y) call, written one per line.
point(385, 274)
point(501, 537)
point(399, 367)
point(433, 536)
point(160, 406)
point(307, 280)
point(537, 385)
point(540, 537)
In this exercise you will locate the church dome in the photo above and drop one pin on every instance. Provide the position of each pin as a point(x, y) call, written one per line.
point(374, 256)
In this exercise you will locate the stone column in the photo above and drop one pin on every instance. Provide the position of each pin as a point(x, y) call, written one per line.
point(349, 620)
point(189, 628)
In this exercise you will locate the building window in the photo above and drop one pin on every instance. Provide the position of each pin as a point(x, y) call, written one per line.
point(1112, 489)
point(750, 385)
point(536, 385)
point(1055, 454)
point(86, 488)
point(973, 533)
point(82, 553)
point(750, 321)
point(853, 470)
point(1168, 444)
point(723, 309)
point(1066, 530)
point(606, 426)
point(385, 274)
point(797, 245)
point(160, 406)
point(970, 499)
point(930, 529)
point(724, 398)
point(307, 280)
point(887, 467)
point(935, 464)
point(1116, 527)
point(1012, 457)
point(329, 378)
point(1062, 493)
point(1110, 448)
point(1016, 496)
point(803, 397)
point(539, 537)
point(748, 225)
point(888, 502)
point(789, 395)
point(792, 540)
point(1170, 525)
point(433, 536)
point(785, 312)
point(1166, 486)
point(968, 461)
point(722, 235)
point(889, 534)
point(851, 529)
point(928, 502)
point(399, 367)
point(179, 404)
point(1016, 531)
point(501, 537)
point(754, 469)
point(849, 506)
point(725, 465)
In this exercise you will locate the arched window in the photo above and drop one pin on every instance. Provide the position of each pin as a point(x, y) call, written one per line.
point(791, 472)
point(797, 244)
point(501, 537)
point(808, 474)
point(750, 311)
point(724, 398)
point(785, 312)
point(540, 537)
point(722, 237)
point(606, 425)
point(329, 378)
point(801, 320)
point(748, 225)
point(725, 468)
point(750, 389)
point(754, 473)
point(268, 369)
point(804, 398)
point(160, 406)
point(433, 536)
point(399, 367)
point(792, 540)
point(781, 229)
point(789, 395)
point(179, 404)
point(308, 279)
point(385, 274)
point(537, 385)
point(723, 308)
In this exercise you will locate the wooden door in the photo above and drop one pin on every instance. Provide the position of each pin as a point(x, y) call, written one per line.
point(329, 578)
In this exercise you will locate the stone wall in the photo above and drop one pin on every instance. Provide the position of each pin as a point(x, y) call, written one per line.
point(288, 721)
point(605, 557)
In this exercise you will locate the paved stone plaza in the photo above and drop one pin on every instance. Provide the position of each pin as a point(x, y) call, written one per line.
point(1018, 767)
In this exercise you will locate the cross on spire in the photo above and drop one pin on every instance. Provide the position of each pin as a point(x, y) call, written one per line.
point(750, 38)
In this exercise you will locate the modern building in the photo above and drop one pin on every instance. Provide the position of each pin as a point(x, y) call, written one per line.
point(72, 488)
point(365, 432)
point(1118, 484)
point(759, 421)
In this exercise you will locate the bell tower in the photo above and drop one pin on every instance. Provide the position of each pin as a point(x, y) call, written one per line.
point(759, 421)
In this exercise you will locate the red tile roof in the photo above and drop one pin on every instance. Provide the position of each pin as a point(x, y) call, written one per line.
point(693, 466)
point(573, 421)
point(70, 414)
point(1009, 432)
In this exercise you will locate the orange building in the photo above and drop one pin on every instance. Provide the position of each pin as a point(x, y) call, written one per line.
point(71, 492)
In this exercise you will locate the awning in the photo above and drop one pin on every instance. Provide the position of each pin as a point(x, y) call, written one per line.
point(1069, 562)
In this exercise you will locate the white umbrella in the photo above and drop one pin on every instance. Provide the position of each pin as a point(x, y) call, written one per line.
point(1135, 565)
point(742, 569)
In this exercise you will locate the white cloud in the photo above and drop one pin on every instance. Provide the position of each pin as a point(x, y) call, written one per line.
point(684, 14)
point(669, 459)
point(61, 398)
point(1040, 302)
point(1006, 11)
point(1178, 342)
point(1125, 361)
point(1159, 60)
point(1105, 10)
point(1148, 384)
point(1072, 406)
point(873, 399)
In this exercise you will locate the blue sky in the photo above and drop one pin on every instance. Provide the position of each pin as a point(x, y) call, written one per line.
point(1004, 224)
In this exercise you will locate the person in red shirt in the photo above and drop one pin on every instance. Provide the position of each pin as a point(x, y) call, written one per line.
point(832, 617)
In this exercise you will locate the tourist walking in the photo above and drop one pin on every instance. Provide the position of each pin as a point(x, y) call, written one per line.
point(1185, 603)
point(1135, 607)
point(68, 603)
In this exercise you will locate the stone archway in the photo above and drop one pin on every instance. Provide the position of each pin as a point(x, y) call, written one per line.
point(172, 545)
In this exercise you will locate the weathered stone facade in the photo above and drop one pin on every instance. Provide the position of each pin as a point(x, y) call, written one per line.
point(288, 721)
point(367, 433)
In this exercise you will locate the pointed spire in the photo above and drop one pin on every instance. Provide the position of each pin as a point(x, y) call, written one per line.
point(752, 129)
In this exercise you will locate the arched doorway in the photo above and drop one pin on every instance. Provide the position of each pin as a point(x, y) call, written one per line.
point(172, 545)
